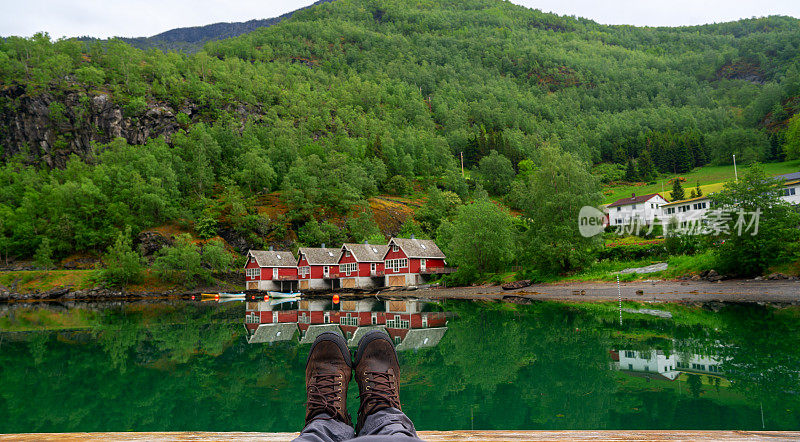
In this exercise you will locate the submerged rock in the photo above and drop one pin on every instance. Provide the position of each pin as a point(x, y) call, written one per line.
point(651, 312)
point(647, 269)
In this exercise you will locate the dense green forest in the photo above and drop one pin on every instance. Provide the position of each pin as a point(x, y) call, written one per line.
point(354, 98)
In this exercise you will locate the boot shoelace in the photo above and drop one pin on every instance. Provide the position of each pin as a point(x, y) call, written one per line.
point(379, 389)
point(323, 392)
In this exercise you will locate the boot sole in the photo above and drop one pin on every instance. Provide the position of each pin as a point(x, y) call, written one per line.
point(369, 337)
point(336, 339)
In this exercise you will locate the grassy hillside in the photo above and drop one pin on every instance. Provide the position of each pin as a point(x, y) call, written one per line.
point(711, 179)
point(356, 98)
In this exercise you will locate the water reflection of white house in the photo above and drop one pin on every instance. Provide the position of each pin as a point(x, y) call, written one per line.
point(670, 366)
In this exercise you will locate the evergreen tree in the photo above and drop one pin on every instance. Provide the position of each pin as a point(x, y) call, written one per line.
point(44, 255)
point(630, 172)
point(698, 191)
point(646, 169)
point(677, 193)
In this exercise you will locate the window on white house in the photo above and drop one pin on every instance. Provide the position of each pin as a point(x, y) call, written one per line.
point(633, 207)
point(619, 208)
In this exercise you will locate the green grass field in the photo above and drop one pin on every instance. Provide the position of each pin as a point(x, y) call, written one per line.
point(711, 179)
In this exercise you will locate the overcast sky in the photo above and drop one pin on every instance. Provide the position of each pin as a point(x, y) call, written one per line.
point(136, 18)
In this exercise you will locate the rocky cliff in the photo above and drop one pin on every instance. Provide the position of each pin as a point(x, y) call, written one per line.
point(49, 128)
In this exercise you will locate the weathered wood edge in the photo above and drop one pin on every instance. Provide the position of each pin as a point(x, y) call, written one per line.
point(432, 436)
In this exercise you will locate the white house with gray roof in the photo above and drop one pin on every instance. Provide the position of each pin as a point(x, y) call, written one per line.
point(642, 209)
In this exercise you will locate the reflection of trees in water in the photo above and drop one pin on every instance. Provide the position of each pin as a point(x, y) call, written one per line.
point(188, 367)
point(145, 372)
point(512, 368)
point(762, 359)
point(695, 384)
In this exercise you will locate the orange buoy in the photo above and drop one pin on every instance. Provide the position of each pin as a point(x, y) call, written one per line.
point(192, 297)
point(266, 297)
point(216, 296)
point(335, 299)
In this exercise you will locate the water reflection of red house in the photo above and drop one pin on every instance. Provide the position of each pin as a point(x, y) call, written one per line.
point(353, 318)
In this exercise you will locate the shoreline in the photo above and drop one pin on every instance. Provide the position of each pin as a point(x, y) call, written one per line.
point(676, 291)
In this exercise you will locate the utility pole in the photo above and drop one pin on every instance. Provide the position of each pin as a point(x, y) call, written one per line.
point(736, 174)
point(462, 164)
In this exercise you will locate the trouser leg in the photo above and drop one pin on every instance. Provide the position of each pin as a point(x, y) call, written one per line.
point(323, 429)
point(389, 424)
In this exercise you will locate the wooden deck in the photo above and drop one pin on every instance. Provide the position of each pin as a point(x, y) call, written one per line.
point(432, 436)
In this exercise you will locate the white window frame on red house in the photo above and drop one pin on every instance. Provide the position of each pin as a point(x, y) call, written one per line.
point(253, 272)
point(395, 248)
point(348, 268)
point(275, 273)
point(304, 271)
point(396, 264)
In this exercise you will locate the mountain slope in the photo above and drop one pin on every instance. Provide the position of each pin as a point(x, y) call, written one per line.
point(353, 97)
point(191, 39)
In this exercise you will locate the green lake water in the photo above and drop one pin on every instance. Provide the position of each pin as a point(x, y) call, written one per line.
point(176, 366)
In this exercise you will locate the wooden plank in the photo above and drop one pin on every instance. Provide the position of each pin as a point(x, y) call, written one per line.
point(431, 436)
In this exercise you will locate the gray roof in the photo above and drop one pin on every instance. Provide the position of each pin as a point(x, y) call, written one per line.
point(788, 176)
point(282, 331)
point(367, 252)
point(361, 331)
point(634, 200)
point(418, 248)
point(318, 329)
point(269, 258)
point(421, 338)
point(319, 256)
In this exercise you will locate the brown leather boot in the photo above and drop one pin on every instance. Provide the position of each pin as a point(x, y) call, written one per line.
point(328, 372)
point(377, 375)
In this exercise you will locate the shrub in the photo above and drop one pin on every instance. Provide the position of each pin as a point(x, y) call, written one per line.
point(181, 263)
point(633, 252)
point(44, 255)
point(398, 185)
point(123, 265)
point(135, 106)
point(216, 257)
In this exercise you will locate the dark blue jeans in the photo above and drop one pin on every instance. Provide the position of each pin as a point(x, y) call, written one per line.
point(386, 425)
